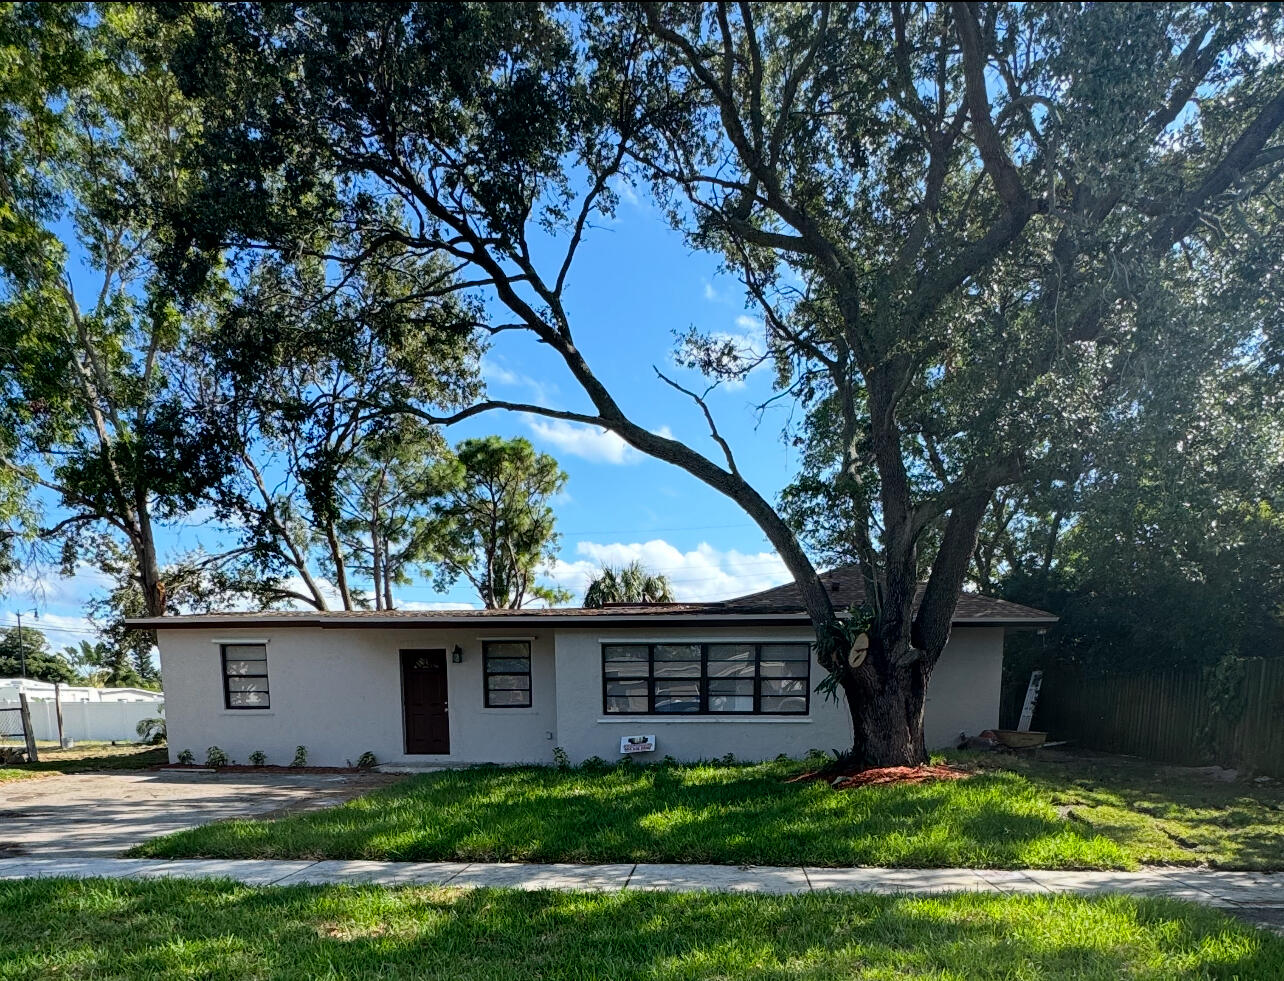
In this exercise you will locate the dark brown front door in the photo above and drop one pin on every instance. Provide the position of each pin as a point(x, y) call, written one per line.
point(423, 696)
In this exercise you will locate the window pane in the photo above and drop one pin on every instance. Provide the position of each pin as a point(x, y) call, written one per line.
point(497, 664)
point(789, 703)
point(784, 686)
point(784, 669)
point(509, 682)
point(731, 652)
point(248, 699)
point(677, 696)
point(786, 652)
point(253, 652)
point(730, 669)
point(626, 652)
point(677, 669)
point(634, 688)
point(677, 652)
point(629, 704)
point(684, 704)
point(507, 648)
point(508, 699)
point(731, 696)
point(247, 684)
point(245, 667)
point(730, 703)
point(626, 669)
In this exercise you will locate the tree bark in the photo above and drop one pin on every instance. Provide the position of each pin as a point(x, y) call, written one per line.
point(886, 704)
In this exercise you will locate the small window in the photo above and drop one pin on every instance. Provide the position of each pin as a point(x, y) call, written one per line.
point(506, 665)
point(245, 676)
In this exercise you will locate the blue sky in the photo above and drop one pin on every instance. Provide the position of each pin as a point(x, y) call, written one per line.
point(635, 283)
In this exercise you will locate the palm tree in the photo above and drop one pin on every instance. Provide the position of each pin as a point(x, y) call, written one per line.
point(627, 584)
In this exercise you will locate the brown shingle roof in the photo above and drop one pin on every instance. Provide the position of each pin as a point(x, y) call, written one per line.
point(781, 606)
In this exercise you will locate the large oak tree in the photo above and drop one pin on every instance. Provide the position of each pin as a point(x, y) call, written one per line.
point(970, 227)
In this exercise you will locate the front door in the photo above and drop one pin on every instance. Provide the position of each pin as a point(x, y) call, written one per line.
point(423, 697)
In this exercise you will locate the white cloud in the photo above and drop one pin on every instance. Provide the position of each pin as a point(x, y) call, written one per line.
point(589, 442)
point(43, 586)
point(702, 574)
point(61, 631)
point(495, 373)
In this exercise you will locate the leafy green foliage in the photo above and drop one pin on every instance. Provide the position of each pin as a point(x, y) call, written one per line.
point(494, 524)
point(216, 757)
point(30, 648)
point(979, 235)
point(151, 731)
point(630, 583)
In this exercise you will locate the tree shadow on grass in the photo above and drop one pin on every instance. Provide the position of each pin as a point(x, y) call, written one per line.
point(740, 815)
point(202, 929)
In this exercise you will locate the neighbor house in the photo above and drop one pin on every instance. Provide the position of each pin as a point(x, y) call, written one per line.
point(506, 686)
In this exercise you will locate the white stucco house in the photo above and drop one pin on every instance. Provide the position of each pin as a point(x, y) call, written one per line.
point(507, 686)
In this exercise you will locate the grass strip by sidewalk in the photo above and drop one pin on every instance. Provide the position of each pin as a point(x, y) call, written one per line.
point(1045, 815)
point(745, 814)
point(80, 929)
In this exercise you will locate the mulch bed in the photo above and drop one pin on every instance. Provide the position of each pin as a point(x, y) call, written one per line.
point(841, 779)
point(266, 768)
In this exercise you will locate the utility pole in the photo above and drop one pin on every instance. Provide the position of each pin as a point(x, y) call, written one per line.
point(22, 651)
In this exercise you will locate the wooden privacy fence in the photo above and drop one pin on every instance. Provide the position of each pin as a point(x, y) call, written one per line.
point(1180, 716)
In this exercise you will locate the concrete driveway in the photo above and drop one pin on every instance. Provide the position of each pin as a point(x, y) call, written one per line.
point(102, 814)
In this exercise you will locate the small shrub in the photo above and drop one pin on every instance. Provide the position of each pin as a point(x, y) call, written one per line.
point(669, 761)
point(151, 731)
point(258, 758)
point(594, 764)
point(300, 756)
point(728, 760)
point(186, 758)
point(215, 757)
point(367, 761)
point(560, 759)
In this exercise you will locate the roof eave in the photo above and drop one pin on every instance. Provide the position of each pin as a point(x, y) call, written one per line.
point(333, 622)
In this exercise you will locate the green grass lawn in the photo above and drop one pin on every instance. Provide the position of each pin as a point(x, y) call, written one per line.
point(177, 929)
point(1164, 814)
point(89, 757)
point(748, 814)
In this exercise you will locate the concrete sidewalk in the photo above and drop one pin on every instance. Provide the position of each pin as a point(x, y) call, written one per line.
point(1230, 890)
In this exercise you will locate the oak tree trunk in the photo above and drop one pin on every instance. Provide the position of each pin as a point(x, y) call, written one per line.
point(886, 704)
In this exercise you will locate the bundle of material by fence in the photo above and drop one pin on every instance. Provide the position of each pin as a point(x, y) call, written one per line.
point(12, 756)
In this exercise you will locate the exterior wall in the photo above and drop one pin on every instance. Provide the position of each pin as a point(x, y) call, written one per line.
point(338, 692)
point(963, 695)
point(585, 731)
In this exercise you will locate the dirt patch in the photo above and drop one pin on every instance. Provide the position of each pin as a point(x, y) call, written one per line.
point(841, 779)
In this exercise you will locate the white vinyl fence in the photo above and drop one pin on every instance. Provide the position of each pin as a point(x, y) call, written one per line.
point(86, 721)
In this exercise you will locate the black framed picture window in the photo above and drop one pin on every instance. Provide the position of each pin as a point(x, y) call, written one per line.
point(245, 676)
point(706, 679)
